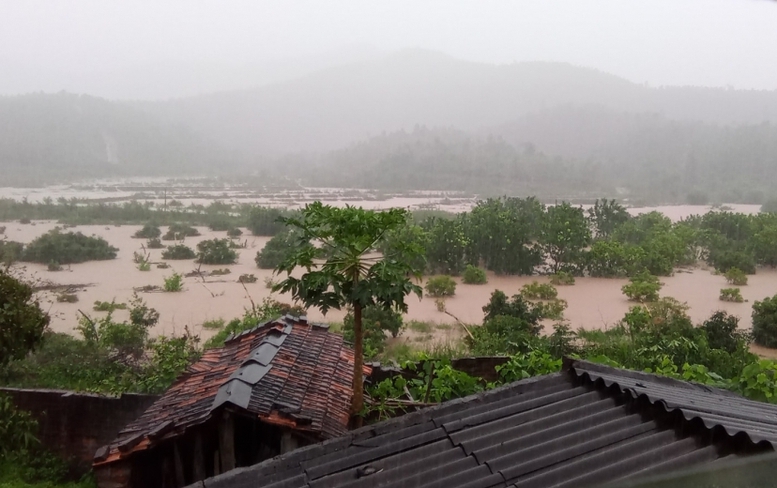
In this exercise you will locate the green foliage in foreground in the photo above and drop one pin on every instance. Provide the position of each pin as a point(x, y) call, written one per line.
point(22, 322)
point(67, 247)
point(765, 322)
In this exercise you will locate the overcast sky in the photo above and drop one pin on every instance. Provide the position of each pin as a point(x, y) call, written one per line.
point(86, 46)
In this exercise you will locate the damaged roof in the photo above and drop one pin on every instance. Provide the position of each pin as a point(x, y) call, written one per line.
point(587, 425)
point(287, 372)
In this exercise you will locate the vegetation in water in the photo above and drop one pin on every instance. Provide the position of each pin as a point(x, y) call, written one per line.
point(440, 286)
point(173, 283)
point(216, 251)
point(731, 295)
point(178, 252)
point(67, 247)
point(473, 275)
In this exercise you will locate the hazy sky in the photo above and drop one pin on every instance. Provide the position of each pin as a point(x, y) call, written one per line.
point(111, 48)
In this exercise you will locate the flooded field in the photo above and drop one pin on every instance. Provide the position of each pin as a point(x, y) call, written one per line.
point(593, 302)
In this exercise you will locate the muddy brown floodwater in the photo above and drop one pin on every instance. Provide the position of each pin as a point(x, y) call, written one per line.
point(593, 302)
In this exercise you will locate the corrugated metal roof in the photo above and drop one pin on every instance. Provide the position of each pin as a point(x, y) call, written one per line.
point(284, 371)
point(716, 408)
point(581, 427)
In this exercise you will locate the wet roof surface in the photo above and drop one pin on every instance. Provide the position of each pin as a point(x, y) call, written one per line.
point(286, 372)
point(585, 426)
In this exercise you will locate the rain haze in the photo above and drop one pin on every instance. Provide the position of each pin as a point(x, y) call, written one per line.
point(510, 182)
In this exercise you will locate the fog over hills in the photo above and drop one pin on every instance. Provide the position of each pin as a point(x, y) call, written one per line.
point(334, 107)
point(414, 119)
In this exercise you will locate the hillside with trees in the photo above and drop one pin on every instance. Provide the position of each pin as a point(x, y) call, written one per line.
point(48, 138)
point(334, 107)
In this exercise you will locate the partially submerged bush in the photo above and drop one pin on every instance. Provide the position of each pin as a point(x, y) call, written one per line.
point(22, 322)
point(234, 232)
point(173, 283)
point(154, 243)
point(178, 251)
point(215, 324)
point(216, 251)
point(644, 287)
point(552, 309)
point(731, 295)
point(220, 272)
point(277, 248)
point(247, 278)
point(736, 276)
point(67, 297)
point(67, 248)
point(474, 276)
point(178, 232)
point(539, 291)
point(108, 306)
point(149, 231)
point(10, 251)
point(441, 286)
point(562, 278)
point(54, 266)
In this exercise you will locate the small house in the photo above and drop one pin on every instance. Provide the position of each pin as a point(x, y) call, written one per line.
point(283, 384)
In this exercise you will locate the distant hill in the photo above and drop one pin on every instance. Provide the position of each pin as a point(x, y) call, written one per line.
point(335, 107)
point(49, 138)
point(563, 153)
point(666, 158)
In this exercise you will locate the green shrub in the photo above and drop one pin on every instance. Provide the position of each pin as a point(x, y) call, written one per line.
point(552, 309)
point(22, 322)
point(234, 232)
point(765, 322)
point(539, 291)
point(277, 248)
point(67, 297)
point(179, 231)
point(67, 248)
point(264, 221)
point(441, 286)
point(376, 321)
point(108, 306)
point(643, 288)
point(247, 278)
point(526, 365)
point(173, 283)
point(54, 266)
point(731, 295)
point(149, 231)
point(562, 278)
point(144, 266)
point(215, 324)
point(178, 251)
point(220, 225)
point(735, 276)
point(216, 251)
point(474, 276)
point(154, 243)
point(10, 251)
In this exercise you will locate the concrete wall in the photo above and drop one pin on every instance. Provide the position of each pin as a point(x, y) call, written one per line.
point(75, 425)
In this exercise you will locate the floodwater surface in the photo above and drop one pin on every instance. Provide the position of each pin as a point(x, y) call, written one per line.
point(594, 303)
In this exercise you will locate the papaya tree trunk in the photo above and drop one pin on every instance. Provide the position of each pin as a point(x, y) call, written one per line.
point(357, 402)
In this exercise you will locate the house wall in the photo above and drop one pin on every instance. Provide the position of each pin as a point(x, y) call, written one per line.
point(75, 425)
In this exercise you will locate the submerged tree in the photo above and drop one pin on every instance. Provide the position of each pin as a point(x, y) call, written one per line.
point(346, 270)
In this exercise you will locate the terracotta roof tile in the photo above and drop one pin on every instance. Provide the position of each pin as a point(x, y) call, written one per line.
point(305, 384)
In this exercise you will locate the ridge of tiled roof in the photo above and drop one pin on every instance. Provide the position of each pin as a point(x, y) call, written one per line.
point(285, 371)
point(587, 424)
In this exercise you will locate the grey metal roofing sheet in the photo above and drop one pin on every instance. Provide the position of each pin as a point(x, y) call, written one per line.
point(584, 426)
point(714, 407)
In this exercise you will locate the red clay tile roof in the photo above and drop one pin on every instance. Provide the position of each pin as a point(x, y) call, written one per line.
point(287, 372)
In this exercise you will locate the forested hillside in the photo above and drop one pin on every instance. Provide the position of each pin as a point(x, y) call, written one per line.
point(335, 107)
point(46, 138)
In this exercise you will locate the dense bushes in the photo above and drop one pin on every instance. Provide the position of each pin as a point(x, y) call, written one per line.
point(176, 232)
point(22, 322)
point(731, 295)
point(67, 247)
point(216, 251)
point(178, 251)
point(275, 251)
point(263, 221)
point(765, 322)
point(539, 291)
point(642, 288)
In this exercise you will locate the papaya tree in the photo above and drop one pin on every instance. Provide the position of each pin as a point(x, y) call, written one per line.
point(345, 269)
